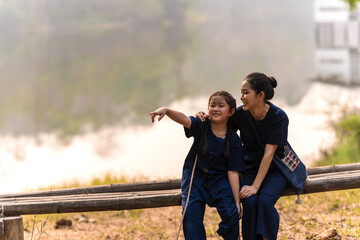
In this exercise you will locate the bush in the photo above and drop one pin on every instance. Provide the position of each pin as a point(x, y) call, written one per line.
point(347, 148)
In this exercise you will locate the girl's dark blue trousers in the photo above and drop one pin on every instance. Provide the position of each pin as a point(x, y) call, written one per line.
point(215, 191)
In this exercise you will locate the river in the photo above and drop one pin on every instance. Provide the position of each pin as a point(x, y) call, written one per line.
point(154, 151)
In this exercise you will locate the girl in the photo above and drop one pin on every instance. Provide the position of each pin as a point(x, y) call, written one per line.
point(218, 151)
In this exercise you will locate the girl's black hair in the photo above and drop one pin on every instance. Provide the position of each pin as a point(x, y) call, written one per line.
point(260, 82)
point(230, 100)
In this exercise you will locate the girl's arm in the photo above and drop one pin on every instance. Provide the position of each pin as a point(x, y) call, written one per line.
point(247, 191)
point(176, 116)
point(235, 187)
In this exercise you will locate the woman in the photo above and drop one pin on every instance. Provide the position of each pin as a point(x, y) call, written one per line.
point(263, 131)
point(263, 184)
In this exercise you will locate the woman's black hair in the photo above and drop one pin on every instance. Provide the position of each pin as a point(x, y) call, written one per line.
point(231, 101)
point(260, 82)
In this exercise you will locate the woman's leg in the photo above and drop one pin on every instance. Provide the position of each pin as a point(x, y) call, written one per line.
point(249, 211)
point(268, 218)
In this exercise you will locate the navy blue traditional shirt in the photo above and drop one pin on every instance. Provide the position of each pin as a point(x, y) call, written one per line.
point(273, 129)
point(214, 161)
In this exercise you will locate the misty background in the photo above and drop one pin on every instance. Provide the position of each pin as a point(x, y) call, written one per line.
point(66, 64)
point(79, 78)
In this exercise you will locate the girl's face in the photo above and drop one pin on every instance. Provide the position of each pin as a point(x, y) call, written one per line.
point(249, 97)
point(219, 110)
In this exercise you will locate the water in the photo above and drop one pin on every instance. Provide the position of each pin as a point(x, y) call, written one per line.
point(156, 151)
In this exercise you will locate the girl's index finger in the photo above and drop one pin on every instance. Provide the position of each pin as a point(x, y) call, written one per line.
point(152, 115)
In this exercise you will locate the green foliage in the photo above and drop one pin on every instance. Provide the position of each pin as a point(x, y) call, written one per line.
point(40, 229)
point(347, 148)
point(349, 130)
point(108, 179)
point(352, 3)
point(68, 64)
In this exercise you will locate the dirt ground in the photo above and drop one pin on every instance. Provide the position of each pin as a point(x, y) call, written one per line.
point(161, 223)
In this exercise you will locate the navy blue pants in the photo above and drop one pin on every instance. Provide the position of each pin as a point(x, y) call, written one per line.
point(260, 217)
point(216, 192)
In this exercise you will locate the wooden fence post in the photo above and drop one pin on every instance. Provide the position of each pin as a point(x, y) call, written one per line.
point(11, 228)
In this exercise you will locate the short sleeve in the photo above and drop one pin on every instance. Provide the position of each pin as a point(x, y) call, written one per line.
point(278, 130)
point(194, 128)
point(236, 160)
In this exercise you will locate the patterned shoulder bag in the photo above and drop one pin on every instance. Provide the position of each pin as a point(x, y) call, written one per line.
point(290, 165)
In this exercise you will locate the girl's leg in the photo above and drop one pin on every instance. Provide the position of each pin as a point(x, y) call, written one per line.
point(268, 218)
point(226, 207)
point(193, 225)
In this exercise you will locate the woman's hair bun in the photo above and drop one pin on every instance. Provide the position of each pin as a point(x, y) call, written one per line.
point(272, 81)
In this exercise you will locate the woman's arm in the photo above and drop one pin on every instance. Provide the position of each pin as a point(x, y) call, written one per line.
point(174, 115)
point(235, 187)
point(247, 191)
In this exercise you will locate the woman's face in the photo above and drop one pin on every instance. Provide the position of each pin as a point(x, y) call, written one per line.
point(248, 97)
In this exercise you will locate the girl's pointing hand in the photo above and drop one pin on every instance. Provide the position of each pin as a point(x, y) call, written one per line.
point(161, 112)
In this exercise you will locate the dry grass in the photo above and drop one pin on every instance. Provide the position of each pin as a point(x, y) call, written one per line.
point(320, 213)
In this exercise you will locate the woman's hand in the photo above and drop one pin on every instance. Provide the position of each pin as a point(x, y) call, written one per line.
point(247, 191)
point(161, 112)
point(203, 116)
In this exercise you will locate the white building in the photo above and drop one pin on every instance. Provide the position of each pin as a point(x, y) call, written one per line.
point(337, 57)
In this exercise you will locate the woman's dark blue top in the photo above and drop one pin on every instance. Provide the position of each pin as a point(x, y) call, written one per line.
point(273, 129)
point(214, 161)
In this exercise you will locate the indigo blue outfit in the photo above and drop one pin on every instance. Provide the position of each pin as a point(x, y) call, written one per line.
point(210, 183)
point(260, 216)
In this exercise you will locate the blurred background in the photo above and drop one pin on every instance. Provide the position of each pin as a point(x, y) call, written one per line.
point(79, 78)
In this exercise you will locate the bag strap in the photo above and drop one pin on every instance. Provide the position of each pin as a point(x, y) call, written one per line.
point(252, 125)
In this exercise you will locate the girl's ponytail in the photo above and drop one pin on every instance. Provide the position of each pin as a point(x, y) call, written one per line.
point(228, 134)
